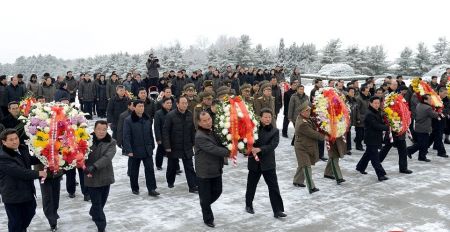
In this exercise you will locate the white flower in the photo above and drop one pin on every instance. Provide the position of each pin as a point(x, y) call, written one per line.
point(227, 125)
point(48, 121)
point(230, 147)
point(229, 137)
point(241, 145)
point(46, 129)
point(61, 161)
point(226, 109)
point(46, 108)
point(245, 140)
point(74, 127)
point(225, 131)
point(83, 125)
point(240, 115)
point(392, 103)
point(255, 136)
point(221, 124)
point(227, 114)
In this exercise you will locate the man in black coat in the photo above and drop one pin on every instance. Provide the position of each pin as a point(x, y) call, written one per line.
point(373, 137)
point(438, 125)
point(160, 118)
point(209, 160)
point(137, 84)
point(116, 106)
point(150, 106)
point(286, 98)
point(264, 148)
point(15, 92)
point(12, 121)
point(178, 140)
point(138, 144)
point(276, 93)
point(17, 181)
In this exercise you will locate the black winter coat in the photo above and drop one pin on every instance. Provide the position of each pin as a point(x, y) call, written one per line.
point(286, 98)
point(178, 134)
point(122, 118)
point(276, 93)
point(374, 127)
point(61, 93)
point(16, 176)
point(209, 154)
point(160, 118)
point(268, 139)
point(116, 106)
point(138, 136)
point(135, 86)
point(102, 99)
point(15, 93)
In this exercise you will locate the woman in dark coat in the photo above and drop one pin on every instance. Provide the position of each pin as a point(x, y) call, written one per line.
point(62, 92)
point(264, 148)
point(102, 99)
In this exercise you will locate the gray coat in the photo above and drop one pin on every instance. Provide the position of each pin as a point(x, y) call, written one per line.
point(47, 91)
point(362, 104)
point(102, 153)
point(33, 87)
point(111, 88)
point(294, 105)
point(72, 86)
point(86, 91)
point(209, 154)
point(424, 114)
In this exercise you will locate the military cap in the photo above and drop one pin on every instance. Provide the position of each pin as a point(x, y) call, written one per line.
point(207, 83)
point(189, 86)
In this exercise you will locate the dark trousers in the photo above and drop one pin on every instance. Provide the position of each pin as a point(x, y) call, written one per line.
point(81, 104)
point(71, 181)
point(188, 170)
point(349, 139)
point(411, 129)
point(20, 215)
point(285, 125)
point(437, 136)
point(270, 176)
point(421, 145)
point(101, 113)
point(50, 191)
point(94, 107)
point(402, 153)
point(72, 99)
point(321, 149)
point(160, 153)
point(99, 196)
point(371, 155)
point(4, 110)
point(359, 137)
point(447, 126)
point(209, 190)
point(87, 108)
point(114, 131)
point(150, 180)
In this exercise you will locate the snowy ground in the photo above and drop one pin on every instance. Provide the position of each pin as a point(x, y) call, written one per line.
point(417, 202)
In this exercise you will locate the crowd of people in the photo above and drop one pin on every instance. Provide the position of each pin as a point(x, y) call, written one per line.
point(175, 113)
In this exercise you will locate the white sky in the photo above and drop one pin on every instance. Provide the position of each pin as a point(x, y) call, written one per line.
point(82, 28)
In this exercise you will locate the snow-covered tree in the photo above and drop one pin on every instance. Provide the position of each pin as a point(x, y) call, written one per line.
point(406, 61)
point(281, 55)
point(244, 53)
point(332, 53)
point(423, 58)
point(441, 50)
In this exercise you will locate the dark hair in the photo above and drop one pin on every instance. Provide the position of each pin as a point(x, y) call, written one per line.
point(434, 77)
point(373, 98)
point(178, 99)
point(350, 88)
point(266, 110)
point(442, 88)
point(298, 86)
point(137, 102)
point(62, 85)
point(100, 122)
point(68, 72)
point(40, 97)
point(20, 75)
point(46, 74)
point(7, 132)
point(167, 87)
point(141, 88)
point(12, 103)
point(425, 97)
point(203, 112)
point(399, 76)
point(129, 102)
point(166, 99)
point(379, 89)
point(317, 80)
point(364, 87)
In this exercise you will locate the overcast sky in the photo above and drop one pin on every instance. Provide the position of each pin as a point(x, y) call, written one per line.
point(83, 28)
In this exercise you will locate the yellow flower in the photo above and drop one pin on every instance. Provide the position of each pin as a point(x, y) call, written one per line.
point(39, 143)
point(40, 135)
point(81, 134)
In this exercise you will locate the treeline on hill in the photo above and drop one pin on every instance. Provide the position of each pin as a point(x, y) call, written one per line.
point(231, 50)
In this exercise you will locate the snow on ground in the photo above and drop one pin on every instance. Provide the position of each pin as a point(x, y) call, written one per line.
point(417, 202)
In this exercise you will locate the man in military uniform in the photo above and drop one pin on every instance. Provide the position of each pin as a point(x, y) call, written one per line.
point(337, 150)
point(205, 104)
point(190, 93)
point(208, 86)
point(245, 94)
point(306, 148)
point(222, 92)
point(266, 100)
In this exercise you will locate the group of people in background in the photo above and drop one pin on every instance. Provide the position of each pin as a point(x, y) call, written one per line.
point(175, 112)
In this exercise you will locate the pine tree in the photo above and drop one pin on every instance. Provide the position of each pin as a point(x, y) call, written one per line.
point(332, 52)
point(281, 56)
point(441, 49)
point(423, 58)
point(406, 61)
point(244, 53)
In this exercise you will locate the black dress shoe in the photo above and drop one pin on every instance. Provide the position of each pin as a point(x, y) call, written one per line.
point(135, 192)
point(299, 185)
point(153, 193)
point(329, 177)
point(362, 172)
point(360, 149)
point(382, 178)
point(71, 195)
point(279, 215)
point(339, 181)
point(170, 186)
point(53, 228)
point(409, 154)
point(349, 153)
point(425, 160)
point(193, 190)
point(447, 141)
point(323, 159)
point(443, 155)
point(249, 209)
point(87, 198)
point(285, 136)
point(407, 171)
point(311, 191)
point(179, 172)
point(159, 168)
point(210, 224)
